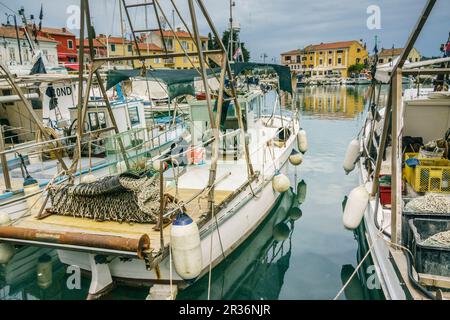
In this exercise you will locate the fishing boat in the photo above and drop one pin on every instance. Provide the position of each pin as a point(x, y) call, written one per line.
point(402, 202)
point(172, 220)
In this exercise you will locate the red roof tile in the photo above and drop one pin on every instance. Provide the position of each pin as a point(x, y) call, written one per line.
point(10, 32)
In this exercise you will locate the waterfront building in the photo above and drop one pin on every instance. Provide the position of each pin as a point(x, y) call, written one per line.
point(16, 50)
point(172, 45)
point(326, 58)
point(388, 55)
point(66, 44)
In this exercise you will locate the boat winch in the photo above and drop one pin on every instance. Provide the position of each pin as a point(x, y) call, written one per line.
point(302, 141)
point(295, 158)
point(351, 156)
point(355, 207)
point(280, 182)
point(186, 247)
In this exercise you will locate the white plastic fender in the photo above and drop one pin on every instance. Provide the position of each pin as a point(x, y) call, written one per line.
point(280, 183)
point(295, 158)
point(89, 178)
point(157, 165)
point(186, 247)
point(355, 207)
point(44, 271)
point(351, 155)
point(4, 218)
point(302, 141)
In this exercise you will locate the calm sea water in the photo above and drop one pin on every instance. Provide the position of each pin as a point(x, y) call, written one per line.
point(301, 251)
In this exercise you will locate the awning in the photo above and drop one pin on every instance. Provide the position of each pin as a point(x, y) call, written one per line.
point(72, 66)
point(283, 72)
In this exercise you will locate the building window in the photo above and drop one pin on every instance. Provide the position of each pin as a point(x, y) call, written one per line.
point(130, 48)
point(358, 50)
point(185, 60)
point(339, 61)
point(320, 62)
point(310, 58)
point(184, 45)
point(70, 44)
point(320, 52)
point(358, 60)
point(113, 47)
point(330, 61)
point(12, 54)
point(157, 60)
point(330, 52)
point(380, 61)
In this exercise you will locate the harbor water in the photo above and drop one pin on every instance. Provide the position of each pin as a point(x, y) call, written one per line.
point(301, 251)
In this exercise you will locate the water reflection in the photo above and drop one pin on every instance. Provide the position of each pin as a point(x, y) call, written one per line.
point(256, 270)
point(331, 101)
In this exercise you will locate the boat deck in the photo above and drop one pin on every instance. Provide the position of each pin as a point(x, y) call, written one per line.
point(56, 224)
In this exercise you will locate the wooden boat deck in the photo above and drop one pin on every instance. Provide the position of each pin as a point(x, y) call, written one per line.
point(60, 224)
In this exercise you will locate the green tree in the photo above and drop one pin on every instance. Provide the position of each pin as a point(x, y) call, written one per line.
point(226, 40)
point(356, 68)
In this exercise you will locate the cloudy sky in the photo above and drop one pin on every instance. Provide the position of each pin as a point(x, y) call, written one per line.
point(272, 27)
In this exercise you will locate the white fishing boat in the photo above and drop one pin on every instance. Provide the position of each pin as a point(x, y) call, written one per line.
point(401, 204)
point(172, 220)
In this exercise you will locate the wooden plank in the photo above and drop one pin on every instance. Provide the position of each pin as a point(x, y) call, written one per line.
point(434, 281)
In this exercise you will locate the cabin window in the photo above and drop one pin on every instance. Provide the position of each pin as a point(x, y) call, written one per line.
point(134, 116)
point(70, 44)
point(97, 120)
point(102, 120)
point(93, 121)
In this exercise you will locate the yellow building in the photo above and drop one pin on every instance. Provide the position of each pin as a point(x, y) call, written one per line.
point(150, 48)
point(326, 58)
point(174, 46)
point(388, 55)
point(117, 47)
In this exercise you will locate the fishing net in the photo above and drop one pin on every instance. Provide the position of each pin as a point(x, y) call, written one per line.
point(430, 203)
point(127, 198)
point(441, 239)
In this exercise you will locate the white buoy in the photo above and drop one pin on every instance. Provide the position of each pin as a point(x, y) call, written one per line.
point(302, 141)
point(281, 231)
point(4, 219)
point(351, 155)
point(280, 183)
point(157, 165)
point(89, 178)
point(295, 158)
point(301, 191)
point(355, 207)
point(186, 247)
point(44, 271)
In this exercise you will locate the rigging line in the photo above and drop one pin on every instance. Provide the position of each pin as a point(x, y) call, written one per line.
point(5, 6)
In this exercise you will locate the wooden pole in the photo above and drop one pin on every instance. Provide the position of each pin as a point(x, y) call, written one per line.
point(4, 162)
point(396, 158)
point(213, 169)
point(233, 89)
